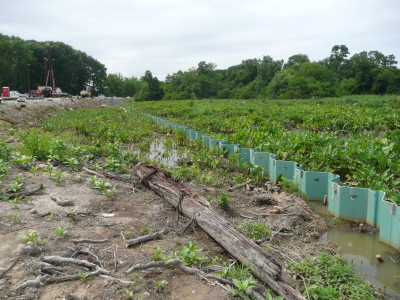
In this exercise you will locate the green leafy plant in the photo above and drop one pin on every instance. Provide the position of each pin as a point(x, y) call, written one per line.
point(61, 232)
point(32, 238)
point(331, 277)
point(23, 161)
point(15, 218)
point(256, 230)
point(72, 213)
point(100, 184)
point(241, 286)
point(4, 168)
point(223, 200)
point(188, 253)
point(268, 296)
point(160, 285)
point(84, 276)
point(146, 230)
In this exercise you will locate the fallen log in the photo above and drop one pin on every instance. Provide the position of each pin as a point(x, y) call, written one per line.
point(187, 200)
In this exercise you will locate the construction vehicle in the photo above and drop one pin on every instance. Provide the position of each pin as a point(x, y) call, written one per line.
point(85, 94)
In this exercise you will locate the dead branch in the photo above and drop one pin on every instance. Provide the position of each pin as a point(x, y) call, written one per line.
point(117, 177)
point(89, 241)
point(96, 258)
point(78, 262)
point(61, 202)
point(25, 193)
point(91, 172)
point(9, 121)
point(37, 282)
point(240, 185)
point(145, 238)
point(154, 264)
point(9, 268)
point(71, 277)
point(49, 268)
point(192, 221)
point(117, 279)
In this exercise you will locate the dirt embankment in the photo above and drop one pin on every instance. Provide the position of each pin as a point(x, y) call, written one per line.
point(131, 212)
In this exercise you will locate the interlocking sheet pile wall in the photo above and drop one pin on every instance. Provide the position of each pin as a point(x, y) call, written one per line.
point(343, 201)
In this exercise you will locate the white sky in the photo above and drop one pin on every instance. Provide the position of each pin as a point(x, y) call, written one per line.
point(164, 36)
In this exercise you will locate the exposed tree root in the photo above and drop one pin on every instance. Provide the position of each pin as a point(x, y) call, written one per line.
point(78, 262)
point(145, 238)
point(2, 274)
point(25, 193)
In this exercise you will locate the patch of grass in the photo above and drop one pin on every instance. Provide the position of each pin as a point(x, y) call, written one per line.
point(146, 230)
point(256, 230)
point(223, 200)
point(291, 187)
point(331, 277)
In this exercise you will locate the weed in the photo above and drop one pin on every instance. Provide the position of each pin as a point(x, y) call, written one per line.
point(146, 230)
point(84, 276)
point(188, 254)
point(223, 200)
point(4, 151)
point(72, 213)
point(256, 230)
point(257, 173)
point(32, 238)
point(23, 161)
point(236, 270)
point(159, 254)
point(99, 184)
point(127, 234)
point(4, 168)
point(61, 232)
point(111, 193)
point(34, 170)
point(331, 277)
point(334, 222)
point(15, 186)
point(160, 284)
point(242, 286)
point(58, 178)
point(15, 218)
point(268, 296)
point(291, 187)
point(49, 217)
point(128, 294)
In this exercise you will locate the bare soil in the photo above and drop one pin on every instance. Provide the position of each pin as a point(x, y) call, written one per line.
point(296, 228)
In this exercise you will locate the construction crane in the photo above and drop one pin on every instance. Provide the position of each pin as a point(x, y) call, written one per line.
point(50, 89)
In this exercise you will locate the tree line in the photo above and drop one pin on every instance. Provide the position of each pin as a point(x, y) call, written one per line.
point(339, 74)
point(22, 67)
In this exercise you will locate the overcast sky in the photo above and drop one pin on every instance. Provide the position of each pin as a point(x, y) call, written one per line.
point(164, 36)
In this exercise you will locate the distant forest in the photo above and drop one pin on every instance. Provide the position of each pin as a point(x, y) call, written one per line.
point(22, 67)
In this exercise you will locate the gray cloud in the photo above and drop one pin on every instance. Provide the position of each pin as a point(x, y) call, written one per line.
point(164, 36)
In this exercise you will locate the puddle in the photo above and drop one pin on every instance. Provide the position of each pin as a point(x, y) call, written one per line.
point(167, 156)
point(361, 250)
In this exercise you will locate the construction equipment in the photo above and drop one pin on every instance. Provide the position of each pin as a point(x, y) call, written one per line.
point(85, 94)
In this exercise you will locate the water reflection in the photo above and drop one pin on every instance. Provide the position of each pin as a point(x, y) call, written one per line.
point(361, 249)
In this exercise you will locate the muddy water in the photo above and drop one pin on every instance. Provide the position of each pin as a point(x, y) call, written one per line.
point(167, 156)
point(361, 249)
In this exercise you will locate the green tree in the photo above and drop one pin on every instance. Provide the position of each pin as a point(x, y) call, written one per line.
point(296, 60)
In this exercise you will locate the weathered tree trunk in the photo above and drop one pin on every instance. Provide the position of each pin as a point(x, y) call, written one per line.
point(188, 201)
